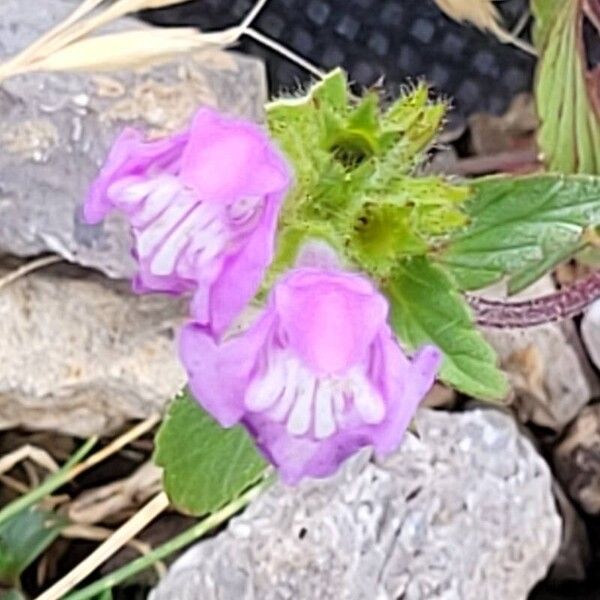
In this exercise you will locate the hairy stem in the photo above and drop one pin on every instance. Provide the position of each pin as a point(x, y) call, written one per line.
point(564, 304)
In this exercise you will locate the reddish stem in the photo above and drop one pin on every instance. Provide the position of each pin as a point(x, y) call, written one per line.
point(564, 304)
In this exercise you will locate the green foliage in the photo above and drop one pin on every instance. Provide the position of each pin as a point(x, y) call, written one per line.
point(23, 538)
point(354, 165)
point(569, 132)
point(205, 466)
point(425, 308)
point(13, 595)
point(521, 227)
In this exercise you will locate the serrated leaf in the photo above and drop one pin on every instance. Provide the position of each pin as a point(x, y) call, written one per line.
point(332, 90)
point(205, 466)
point(425, 308)
point(23, 538)
point(521, 227)
point(569, 132)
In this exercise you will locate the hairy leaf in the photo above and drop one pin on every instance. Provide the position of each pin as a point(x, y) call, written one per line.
point(205, 466)
point(425, 308)
point(354, 182)
point(520, 228)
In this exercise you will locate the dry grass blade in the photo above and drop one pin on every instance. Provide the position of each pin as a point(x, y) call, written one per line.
point(129, 436)
point(116, 498)
point(28, 452)
point(99, 534)
point(485, 16)
point(65, 46)
point(284, 51)
point(29, 267)
point(482, 13)
point(130, 49)
point(117, 540)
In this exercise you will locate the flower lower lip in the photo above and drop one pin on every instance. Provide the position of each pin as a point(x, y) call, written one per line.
point(309, 404)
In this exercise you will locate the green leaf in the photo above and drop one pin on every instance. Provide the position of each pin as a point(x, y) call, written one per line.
point(545, 13)
point(205, 466)
point(569, 132)
point(354, 166)
point(23, 538)
point(13, 595)
point(425, 308)
point(520, 228)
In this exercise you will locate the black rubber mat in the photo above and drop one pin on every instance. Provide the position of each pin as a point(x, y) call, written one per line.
point(394, 39)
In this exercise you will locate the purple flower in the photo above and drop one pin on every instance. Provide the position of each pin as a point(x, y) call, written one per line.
point(316, 377)
point(202, 206)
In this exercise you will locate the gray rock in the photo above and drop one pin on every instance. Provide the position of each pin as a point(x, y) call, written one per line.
point(590, 332)
point(575, 552)
point(464, 511)
point(547, 367)
point(548, 370)
point(56, 129)
point(577, 460)
point(80, 354)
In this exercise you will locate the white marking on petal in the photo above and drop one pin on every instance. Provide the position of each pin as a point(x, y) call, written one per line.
point(151, 237)
point(157, 201)
point(324, 420)
point(165, 259)
point(129, 190)
point(280, 411)
point(291, 394)
point(368, 403)
point(265, 391)
point(210, 242)
point(301, 416)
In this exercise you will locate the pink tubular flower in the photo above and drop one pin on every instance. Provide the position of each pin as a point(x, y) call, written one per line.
point(317, 376)
point(202, 206)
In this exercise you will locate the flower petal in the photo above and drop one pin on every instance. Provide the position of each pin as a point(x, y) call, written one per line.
point(219, 374)
point(129, 156)
point(298, 457)
point(406, 386)
point(227, 159)
point(330, 318)
point(243, 272)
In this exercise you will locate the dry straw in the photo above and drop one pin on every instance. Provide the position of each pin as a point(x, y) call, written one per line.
point(67, 47)
point(485, 16)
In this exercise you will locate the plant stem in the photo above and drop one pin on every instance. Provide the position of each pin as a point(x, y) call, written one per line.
point(564, 304)
point(178, 542)
point(51, 484)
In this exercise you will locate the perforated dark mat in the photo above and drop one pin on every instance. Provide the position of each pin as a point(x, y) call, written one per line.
point(395, 39)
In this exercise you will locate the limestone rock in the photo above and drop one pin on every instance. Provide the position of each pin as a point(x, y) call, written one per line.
point(575, 552)
point(577, 460)
point(56, 129)
point(81, 354)
point(547, 367)
point(463, 511)
point(548, 371)
point(590, 332)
